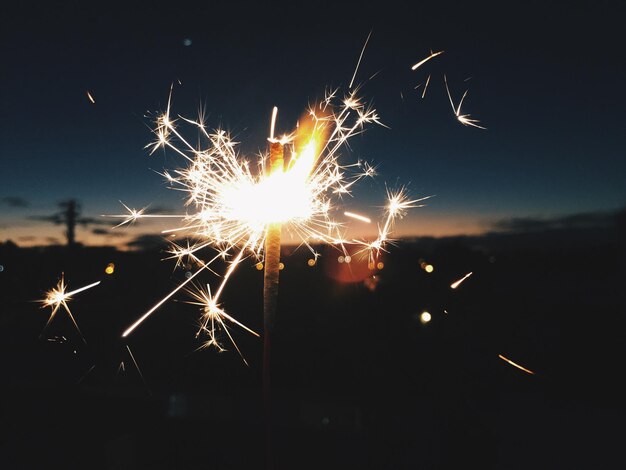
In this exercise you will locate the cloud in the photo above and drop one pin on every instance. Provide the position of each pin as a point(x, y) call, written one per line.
point(147, 242)
point(585, 220)
point(108, 233)
point(14, 201)
point(160, 210)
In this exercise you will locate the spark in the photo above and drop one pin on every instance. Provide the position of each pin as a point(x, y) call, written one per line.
point(58, 297)
point(273, 123)
point(134, 215)
point(456, 284)
point(362, 218)
point(86, 373)
point(90, 97)
point(359, 61)
point(514, 364)
point(398, 203)
point(132, 356)
point(423, 61)
point(464, 119)
point(230, 201)
point(425, 87)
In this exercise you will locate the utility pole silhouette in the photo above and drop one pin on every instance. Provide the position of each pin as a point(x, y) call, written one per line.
point(69, 215)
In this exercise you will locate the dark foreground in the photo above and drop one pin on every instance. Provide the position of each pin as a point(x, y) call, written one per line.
point(358, 380)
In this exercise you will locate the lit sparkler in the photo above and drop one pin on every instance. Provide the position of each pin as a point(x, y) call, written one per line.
point(58, 297)
point(239, 211)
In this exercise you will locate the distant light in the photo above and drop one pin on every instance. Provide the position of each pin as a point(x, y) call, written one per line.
point(281, 266)
point(258, 266)
point(188, 274)
point(429, 268)
point(380, 265)
point(341, 259)
point(1, 268)
point(311, 262)
point(348, 258)
point(187, 42)
point(425, 317)
point(110, 269)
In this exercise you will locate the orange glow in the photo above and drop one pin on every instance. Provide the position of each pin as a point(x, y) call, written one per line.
point(380, 265)
point(311, 262)
point(110, 269)
point(259, 266)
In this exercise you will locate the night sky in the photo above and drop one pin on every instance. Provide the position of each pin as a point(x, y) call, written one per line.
point(547, 82)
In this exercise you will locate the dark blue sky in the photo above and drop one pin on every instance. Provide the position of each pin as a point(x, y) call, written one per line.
point(547, 82)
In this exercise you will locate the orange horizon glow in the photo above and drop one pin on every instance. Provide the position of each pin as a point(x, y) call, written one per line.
point(412, 227)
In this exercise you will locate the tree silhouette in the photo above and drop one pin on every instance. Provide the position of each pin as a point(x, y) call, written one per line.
point(69, 215)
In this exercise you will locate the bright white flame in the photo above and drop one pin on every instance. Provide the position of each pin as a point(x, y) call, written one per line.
point(253, 203)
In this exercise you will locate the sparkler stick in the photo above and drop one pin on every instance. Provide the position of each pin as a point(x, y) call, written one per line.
point(270, 293)
point(272, 250)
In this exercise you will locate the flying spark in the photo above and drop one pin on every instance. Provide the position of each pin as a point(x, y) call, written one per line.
point(514, 364)
point(425, 87)
point(464, 119)
point(232, 206)
point(362, 218)
point(90, 97)
point(423, 61)
point(58, 297)
point(456, 284)
point(359, 61)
